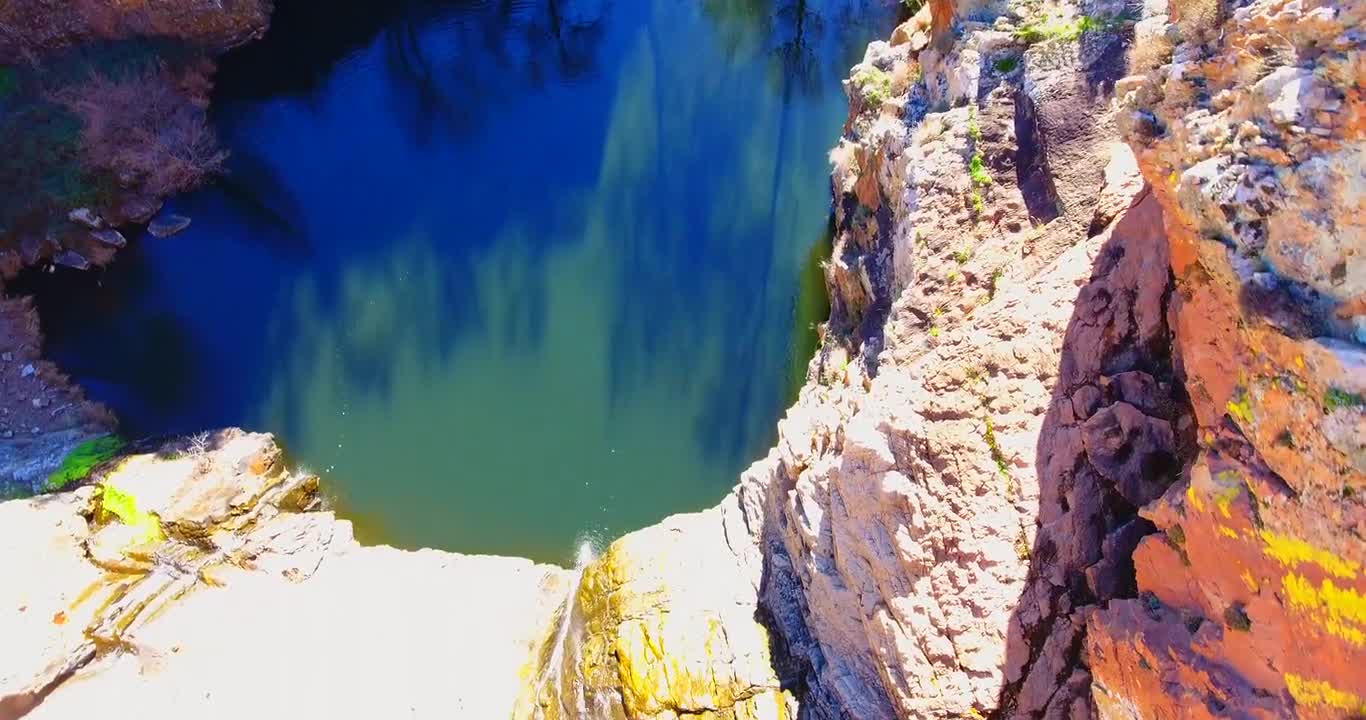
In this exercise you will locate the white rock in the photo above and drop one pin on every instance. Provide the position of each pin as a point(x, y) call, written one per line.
point(86, 217)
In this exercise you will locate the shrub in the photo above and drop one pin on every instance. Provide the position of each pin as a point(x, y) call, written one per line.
point(978, 171)
point(142, 130)
point(1195, 16)
point(875, 84)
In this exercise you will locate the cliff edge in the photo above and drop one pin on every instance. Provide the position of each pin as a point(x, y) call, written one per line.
point(1085, 437)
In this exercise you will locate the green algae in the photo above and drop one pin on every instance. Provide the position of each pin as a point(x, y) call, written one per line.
point(82, 460)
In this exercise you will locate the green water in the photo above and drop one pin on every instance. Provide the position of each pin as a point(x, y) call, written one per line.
point(502, 296)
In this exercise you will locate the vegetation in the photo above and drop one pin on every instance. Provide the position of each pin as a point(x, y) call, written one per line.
point(1338, 399)
point(83, 459)
point(875, 85)
point(1241, 409)
point(1007, 64)
point(979, 174)
point(141, 127)
point(40, 163)
point(1055, 29)
point(1001, 463)
point(977, 165)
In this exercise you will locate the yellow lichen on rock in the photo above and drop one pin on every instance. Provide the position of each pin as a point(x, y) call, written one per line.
point(1291, 552)
point(660, 629)
point(1312, 693)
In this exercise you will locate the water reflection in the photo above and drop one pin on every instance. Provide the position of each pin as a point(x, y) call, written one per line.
point(505, 271)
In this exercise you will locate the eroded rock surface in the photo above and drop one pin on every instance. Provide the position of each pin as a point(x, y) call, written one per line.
point(663, 625)
point(43, 417)
point(1084, 438)
point(201, 578)
point(1251, 134)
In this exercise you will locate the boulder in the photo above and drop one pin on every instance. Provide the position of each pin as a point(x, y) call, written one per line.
point(110, 237)
point(165, 226)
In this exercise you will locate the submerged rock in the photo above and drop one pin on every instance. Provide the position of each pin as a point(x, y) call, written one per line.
point(87, 217)
point(71, 259)
point(110, 237)
point(165, 226)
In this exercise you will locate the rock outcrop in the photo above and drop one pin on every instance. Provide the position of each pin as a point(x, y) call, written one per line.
point(201, 578)
point(43, 416)
point(1254, 593)
point(1085, 437)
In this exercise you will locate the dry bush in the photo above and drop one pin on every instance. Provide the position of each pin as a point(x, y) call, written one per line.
point(1194, 17)
point(1152, 48)
point(144, 131)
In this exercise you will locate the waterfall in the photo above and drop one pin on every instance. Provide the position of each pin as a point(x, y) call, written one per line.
point(585, 555)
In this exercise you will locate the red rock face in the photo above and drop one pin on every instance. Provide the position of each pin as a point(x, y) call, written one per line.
point(1253, 597)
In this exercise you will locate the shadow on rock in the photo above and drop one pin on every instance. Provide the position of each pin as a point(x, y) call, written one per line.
point(1112, 441)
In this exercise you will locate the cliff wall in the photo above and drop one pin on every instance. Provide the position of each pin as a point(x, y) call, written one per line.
point(1084, 436)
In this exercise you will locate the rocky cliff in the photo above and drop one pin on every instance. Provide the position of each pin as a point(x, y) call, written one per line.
point(1084, 438)
point(201, 577)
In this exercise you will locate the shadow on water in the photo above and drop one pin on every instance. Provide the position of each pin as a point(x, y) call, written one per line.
point(504, 271)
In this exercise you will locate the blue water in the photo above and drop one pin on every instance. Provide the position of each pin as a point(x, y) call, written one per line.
point(504, 273)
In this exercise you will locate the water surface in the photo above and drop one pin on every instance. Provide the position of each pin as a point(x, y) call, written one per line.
point(506, 273)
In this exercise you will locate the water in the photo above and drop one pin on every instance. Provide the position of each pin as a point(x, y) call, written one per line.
point(554, 666)
point(503, 272)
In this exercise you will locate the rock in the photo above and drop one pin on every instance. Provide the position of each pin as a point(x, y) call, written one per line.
point(110, 237)
point(27, 371)
point(167, 225)
point(7, 356)
point(71, 259)
point(663, 625)
point(33, 248)
point(1247, 592)
point(260, 600)
point(86, 217)
point(40, 402)
point(138, 209)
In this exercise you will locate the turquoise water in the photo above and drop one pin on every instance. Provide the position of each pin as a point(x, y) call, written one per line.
point(506, 274)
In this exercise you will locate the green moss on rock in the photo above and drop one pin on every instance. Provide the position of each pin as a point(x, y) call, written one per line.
point(82, 460)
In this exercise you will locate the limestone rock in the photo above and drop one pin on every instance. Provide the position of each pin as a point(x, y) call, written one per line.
point(194, 577)
point(663, 625)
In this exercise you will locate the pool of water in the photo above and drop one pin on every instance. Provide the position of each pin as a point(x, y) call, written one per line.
point(505, 273)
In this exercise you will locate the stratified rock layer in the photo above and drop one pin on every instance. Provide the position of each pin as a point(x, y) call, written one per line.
point(199, 580)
